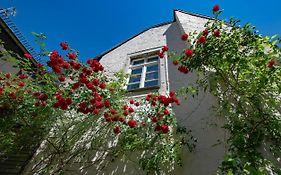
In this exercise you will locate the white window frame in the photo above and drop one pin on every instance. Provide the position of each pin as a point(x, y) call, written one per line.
point(144, 66)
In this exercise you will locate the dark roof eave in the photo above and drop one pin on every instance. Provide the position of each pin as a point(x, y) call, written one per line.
point(15, 39)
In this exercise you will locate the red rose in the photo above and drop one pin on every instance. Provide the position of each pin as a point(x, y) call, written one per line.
point(125, 107)
point(27, 55)
point(23, 76)
point(40, 66)
point(102, 85)
point(113, 111)
point(161, 55)
point(12, 95)
point(106, 115)
point(68, 101)
point(172, 93)
point(165, 48)
point(96, 111)
point(117, 130)
point(75, 86)
point(76, 66)
point(64, 45)
point(147, 98)
point(65, 65)
point(43, 97)
point(166, 112)
point(107, 103)
point(131, 101)
point(121, 119)
point(217, 33)
point(176, 62)
point(71, 56)
point(158, 128)
point(205, 32)
point(165, 129)
point(96, 82)
point(154, 119)
point(184, 37)
point(8, 83)
point(271, 63)
point(188, 52)
point(115, 118)
point(177, 101)
point(216, 8)
point(83, 104)
point(61, 78)
point(137, 104)
point(57, 69)
point(132, 123)
point(131, 110)
point(183, 69)
point(8, 75)
point(89, 85)
point(201, 40)
point(21, 84)
point(108, 119)
point(126, 113)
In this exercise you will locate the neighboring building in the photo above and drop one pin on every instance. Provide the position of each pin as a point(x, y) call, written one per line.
point(12, 164)
point(12, 40)
point(138, 56)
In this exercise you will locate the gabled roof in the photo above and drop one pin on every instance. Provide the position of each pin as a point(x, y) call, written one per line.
point(16, 36)
point(158, 25)
point(192, 14)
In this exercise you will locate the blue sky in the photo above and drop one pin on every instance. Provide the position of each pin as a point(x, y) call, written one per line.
point(93, 26)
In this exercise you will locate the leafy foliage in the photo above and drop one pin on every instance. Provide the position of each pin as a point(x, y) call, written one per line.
point(240, 67)
point(84, 117)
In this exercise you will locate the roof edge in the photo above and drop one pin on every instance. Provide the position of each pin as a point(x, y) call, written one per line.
point(192, 14)
point(16, 39)
point(154, 26)
point(120, 44)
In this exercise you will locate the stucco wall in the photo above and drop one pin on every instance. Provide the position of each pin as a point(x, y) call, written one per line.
point(149, 41)
point(196, 114)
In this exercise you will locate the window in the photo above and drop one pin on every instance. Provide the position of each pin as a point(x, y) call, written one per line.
point(144, 73)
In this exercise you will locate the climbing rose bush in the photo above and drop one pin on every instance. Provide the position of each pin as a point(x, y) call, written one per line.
point(242, 69)
point(83, 116)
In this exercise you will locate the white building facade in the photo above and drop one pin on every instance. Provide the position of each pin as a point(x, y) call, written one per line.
point(138, 56)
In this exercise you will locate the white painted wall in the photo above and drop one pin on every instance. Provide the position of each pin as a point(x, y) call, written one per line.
point(196, 114)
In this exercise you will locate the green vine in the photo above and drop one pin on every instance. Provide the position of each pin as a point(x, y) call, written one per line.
point(240, 68)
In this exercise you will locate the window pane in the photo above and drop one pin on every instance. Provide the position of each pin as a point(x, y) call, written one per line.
point(151, 76)
point(137, 71)
point(138, 62)
point(133, 86)
point(152, 68)
point(135, 79)
point(152, 59)
point(151, 83)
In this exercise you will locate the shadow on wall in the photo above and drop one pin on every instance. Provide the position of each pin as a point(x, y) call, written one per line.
point(198, 115)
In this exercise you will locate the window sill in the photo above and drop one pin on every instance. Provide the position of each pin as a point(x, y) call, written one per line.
point(145, 89)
